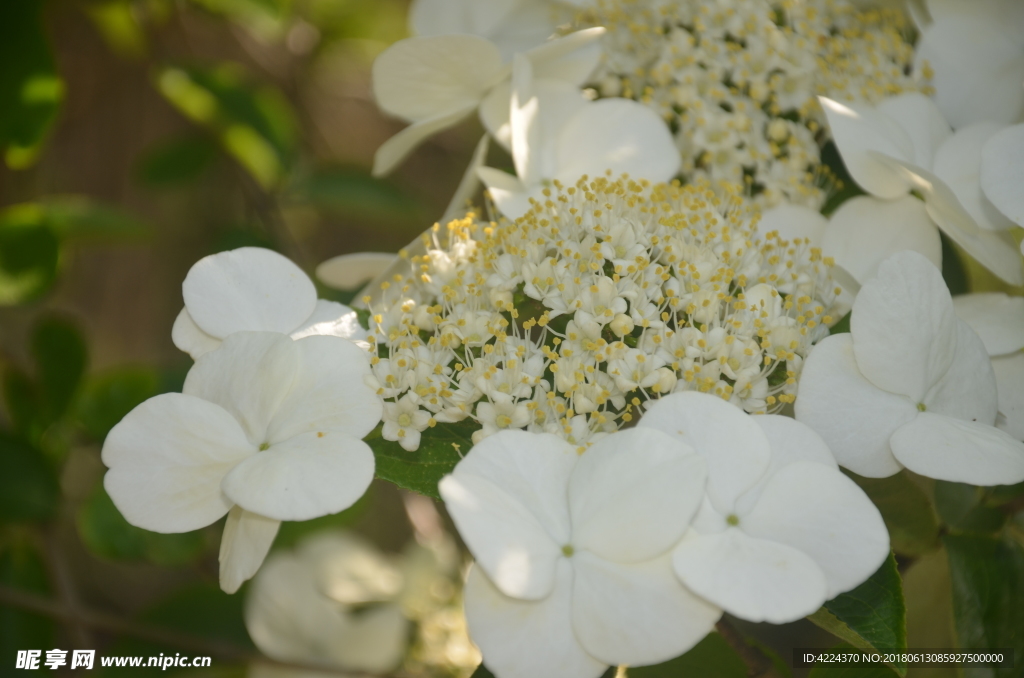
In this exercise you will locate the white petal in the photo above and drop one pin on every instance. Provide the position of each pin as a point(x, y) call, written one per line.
point(328, 391)
point(636, 614)
point(734, 446)
point(1002, 172)
point(525, 639)
point(791, 442)
point(978, 69)
point(995, 250)
point(633, 494)
point(903, 326)
point(187, 336)
point(420, 78)
point(307, 476)
point(509, 499)
point(331, 319)
point(375, 640)
point(444, 17)
point(396, 149)
point(247, 289)
point(1009, 372)
point(958, 163)
point(559, 101)
point(167, 458)
point(960, 451)
point(996, 317)
point(968, 390)
point(528, 144)
point(853, 416)
point(793, 221)
point(620, 135)
point(249, 376)
point(922, 120)
point(753, 579)
point(865, 231)
point(350, 271)
point(508, 193)
point(822, 513)
point(245, 543)
point(859, 129)
point(572, 58)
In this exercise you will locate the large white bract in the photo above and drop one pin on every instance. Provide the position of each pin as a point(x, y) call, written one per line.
point(267, 429)
point(904, 144)
point(252, 289)
point(572, 551)
point(781, 529)
point(910, 385)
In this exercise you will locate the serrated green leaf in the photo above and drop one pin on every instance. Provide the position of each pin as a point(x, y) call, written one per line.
point(352, 192)
point(441, 448)
point(108, 535)
point(712, 657)
point(871, 616)
point(29, 253)
point(60, 357)
point(988, 586)
point(177, 161)
point(851, 669)
point(30, 89)
point(108, 397)
point(28, 485)
point(907, 512)
point(961, 508)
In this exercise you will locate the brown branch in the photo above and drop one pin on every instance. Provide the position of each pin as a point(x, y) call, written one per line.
point(114, 624)
point(759, 665)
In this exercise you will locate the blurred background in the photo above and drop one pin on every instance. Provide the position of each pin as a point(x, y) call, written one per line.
point(137, 137)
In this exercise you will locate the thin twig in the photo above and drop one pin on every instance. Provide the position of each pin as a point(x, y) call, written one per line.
point(758, 664)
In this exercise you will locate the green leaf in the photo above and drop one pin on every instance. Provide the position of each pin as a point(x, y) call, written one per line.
point(712, 657)
point(21, 568)
point(78, 218)
point(60, 357)
point(953, 271)
point(906, 510)
point(30, 89)
point(254, 124)
point(851, 670)
point(441, 448)
point(988, 587)
point(29, 253)
point(871, 616)
point(22, 403)
point(961, 507)
point(28, 485)
point(177, 161)
point(108, 397)
point(108, 535)
point(842, 326)
point(351, 192)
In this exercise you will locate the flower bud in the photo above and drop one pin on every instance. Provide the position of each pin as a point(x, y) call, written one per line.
point(621, 325)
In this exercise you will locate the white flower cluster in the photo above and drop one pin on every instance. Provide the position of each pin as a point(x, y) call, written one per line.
point(603, 297)
point(737, 80)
